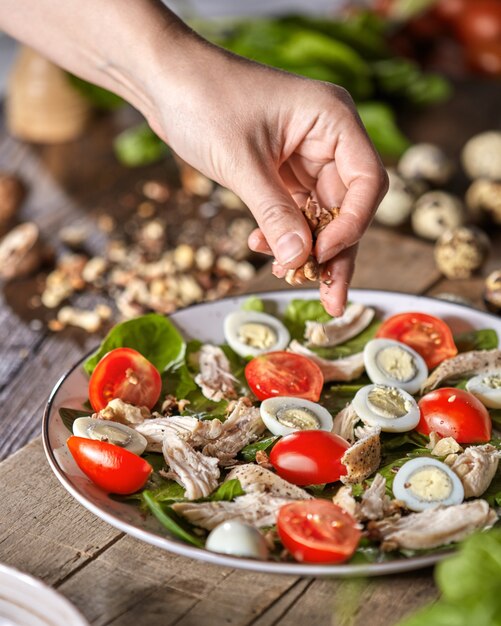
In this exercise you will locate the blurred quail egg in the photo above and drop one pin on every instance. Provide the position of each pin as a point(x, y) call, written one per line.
point(389, 362)
point(492, 291)
point(435, 212)
point(251, 333)
point(284, 415)
point(487, 388)
point(481, 155)
point(426, 161)
point(460, 252)
point(238, 539)
point(111, 432)
point(423, 483)
point(395, 208)
point(391, 408)
point(483, 197)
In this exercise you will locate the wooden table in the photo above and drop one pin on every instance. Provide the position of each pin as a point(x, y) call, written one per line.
point(112, 578)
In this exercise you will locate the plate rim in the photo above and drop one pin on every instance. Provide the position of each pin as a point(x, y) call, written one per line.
point(269, 567)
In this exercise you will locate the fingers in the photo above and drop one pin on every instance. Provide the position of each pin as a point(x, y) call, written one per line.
point(258, 243)
point(366, 182)
point(283, 226)
point(337, 277)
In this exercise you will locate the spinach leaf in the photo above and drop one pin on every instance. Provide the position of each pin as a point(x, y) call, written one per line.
point(493, 492)
point(412, 439)
point(153, 335)
point(352, 346)
point(395, 462)
point(484, 339)
point(227, 491)
point(496, 417)
point(336, 397)
point(166, 516)
point(68, 416)
point(253, 303)
point(298, 312)
point(167, 491)
point(249, 452)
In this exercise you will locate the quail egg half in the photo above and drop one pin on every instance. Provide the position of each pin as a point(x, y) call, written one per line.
point(251, 333)
point(284, 415)
point(424, 483)
point(111, 432)
point(391, 408)
point(487, 388)
point(238, 539)
point(392, 363)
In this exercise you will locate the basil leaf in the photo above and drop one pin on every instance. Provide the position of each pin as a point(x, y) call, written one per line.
point(352, 346)
point(484, 339)
point(68, 416)
point(166, 516)
point(249, 452)
point(153, 335)
point(298, 312)
point(227, 491)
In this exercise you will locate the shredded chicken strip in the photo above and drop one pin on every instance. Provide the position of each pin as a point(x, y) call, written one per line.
point(258, 509)
point(344, 498)
point(434, 527)
point(215, 378)
point(476, 468)
point(344, 423)
point(362, 458)
point(255, 479)
point(354, 320)
point(375, 504)
point(340, 370)
point(196, 432)
point(197, 473)
point(243, 426)
point(477, 362)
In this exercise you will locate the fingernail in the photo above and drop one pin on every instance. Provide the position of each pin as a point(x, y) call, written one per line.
point(289, 247)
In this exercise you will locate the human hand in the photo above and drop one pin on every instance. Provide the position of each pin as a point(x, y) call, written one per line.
point(275, 139)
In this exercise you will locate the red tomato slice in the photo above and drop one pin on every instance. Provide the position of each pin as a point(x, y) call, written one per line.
point(427, 335)
point(309, 457)
point(124, 373)
point(318, 531)
point(454, 413)
point(284, 374)
point(108, 466)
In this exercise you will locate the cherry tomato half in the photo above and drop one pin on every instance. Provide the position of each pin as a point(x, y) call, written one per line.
point(284, 374)
point(429, 336)
point(318, 531)
point(124, 373)
point(309, 457)
point(479, 21)
point(108, 466)
point(454, 413)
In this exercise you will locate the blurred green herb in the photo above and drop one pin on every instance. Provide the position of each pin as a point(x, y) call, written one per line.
point(483, 339)
point(100, 98)
point(139, 145)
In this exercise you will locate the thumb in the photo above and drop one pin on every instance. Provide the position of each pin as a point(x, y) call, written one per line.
point(278, 216)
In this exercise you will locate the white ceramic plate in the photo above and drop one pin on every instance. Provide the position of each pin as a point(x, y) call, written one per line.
point(205, 322)
point(26, 601)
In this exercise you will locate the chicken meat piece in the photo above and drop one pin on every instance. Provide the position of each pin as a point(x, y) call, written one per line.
point(344, 498)
point(196, 432)
point(354, 320)
point(340, 370)
point(375, 504)
point(434, 527)
point(256, 479)
point(243, 426)
point(362, 458)
point(258, 509)
point(119, 411)
point(196, 472)
point(344, 423)
point(474, 362)
point(476, 468)
point(215, 378)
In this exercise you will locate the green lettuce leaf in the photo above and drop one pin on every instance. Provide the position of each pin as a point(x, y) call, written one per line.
point(298, 312)
point(484, 339)
point(153, 335)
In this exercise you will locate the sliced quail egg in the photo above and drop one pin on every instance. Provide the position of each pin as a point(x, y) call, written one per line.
point(284, 415)
point(111, 432)
point(424, 483)
point(487, 388)
point(391, 408)
point(389, 362)
point(238, 539)
point(251, 333)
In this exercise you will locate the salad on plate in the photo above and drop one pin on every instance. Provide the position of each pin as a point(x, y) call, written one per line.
point(303, 437)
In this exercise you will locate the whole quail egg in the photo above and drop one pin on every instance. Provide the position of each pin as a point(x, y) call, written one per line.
point(481, 155)
point(251, 333)
point(484, 197)
point(395, 208)
point(111, 432)
point(487, 388)
point(392, 363)
point(425, 161)
point(392, 409)
point(238, 539)
point(492, 291)
point(461, 251)
point(423, 483)
point(284, 415)
point(435, 212)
